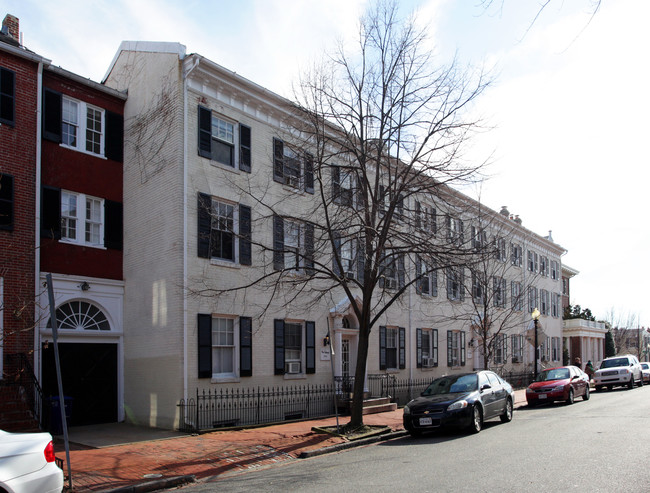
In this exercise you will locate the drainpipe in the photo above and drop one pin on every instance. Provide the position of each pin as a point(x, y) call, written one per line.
point(186, 74)
point(37, 214)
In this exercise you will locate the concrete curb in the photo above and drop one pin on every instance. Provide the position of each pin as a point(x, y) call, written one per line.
point(352, 444)
point(157, 485)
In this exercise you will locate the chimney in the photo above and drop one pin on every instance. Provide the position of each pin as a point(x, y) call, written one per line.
point(10, 26)
point(504, 211)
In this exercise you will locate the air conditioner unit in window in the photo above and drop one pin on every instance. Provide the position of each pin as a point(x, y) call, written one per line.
point(293, 367)
point(428, 362)
point(292, 181)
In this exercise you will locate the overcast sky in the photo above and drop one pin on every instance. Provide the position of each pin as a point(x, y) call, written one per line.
point(569, 105)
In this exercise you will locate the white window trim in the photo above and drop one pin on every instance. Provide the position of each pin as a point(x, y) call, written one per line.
point(395, 331)
point(303, 351)
point(234, 376)
point(235, 228)
point(234, 143)
point(433, 349)
point(81, 220)
point(82, 111)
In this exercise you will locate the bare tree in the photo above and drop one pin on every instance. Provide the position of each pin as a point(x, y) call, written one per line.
point(385, 128)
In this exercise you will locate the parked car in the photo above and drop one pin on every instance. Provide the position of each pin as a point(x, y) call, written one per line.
point(563, 383)
point(645, 369)
point(464, 400)
point(617, 371)
point(27, 464)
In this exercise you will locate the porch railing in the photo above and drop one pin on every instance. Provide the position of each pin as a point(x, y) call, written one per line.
point(21, 375)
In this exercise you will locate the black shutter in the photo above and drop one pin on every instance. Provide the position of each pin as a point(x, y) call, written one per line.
point(204, 208)
point(418, 348)
point(418, 275)
point(52, 110)
point(114, 223)
point(244, 148)
point(336, 237)
point(361, 260)
point(278, 163)
point(450, 348)
point(278, 337)
point(310, 329)
point(7, 96)
point(278, 243)
point(6, 202)
point(245, 347)
point(51, 213)
point(204, 323)
point(462, 348)
point(309, 173)
point(382, 348)
point(401, 271)
point(114, 136)
point(402, 348)
point(245, 255)
point(205, 132)
point(336, 184)
point(309, 249)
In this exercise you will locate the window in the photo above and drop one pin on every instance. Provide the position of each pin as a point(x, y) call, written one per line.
point(392, 348)
point(555, 305)
point(427, 283)
point(295, 347)
point(532, 299)
point(393, 272)
point(517, 298)
point(555, 348)
point(455, 348)
point(499, 287)
point(218, 223)
point(425, 218)
point(225, 349)
point(543, 266)
point(80, 315)
point(293, 245)
point(479, 238)
point(500, 244)
point(517, 343)
point(427, 348)
point(500, 342)
point(545, 307)
point(478, 288)
point(82, 219)
point(218, 140)
point(6, 202)
point(343, 184)
point(292, 167)
point(82, 126)
point(555, 270)
point(350, 256)
point(516, 254)
point(455, 231)
point(455, 281)
point(533, 261)
point(7, 96)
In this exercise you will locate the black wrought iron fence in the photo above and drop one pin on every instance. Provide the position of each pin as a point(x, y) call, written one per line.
point(21, 375)
point(246, 407)
point(518, 380)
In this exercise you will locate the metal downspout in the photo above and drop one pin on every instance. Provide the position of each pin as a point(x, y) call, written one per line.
point(37, 215)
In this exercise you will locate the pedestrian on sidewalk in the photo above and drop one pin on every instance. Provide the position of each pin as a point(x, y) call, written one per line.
point(589, 370)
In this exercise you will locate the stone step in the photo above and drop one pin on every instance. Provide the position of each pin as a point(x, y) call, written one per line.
point(380, 408)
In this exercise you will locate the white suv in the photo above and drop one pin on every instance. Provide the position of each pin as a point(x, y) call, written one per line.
point(619, 370)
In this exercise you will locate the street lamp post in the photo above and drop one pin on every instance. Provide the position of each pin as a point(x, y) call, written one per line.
point(535, 317)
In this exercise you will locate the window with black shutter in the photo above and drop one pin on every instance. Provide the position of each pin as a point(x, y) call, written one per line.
point(245, 254)
point(244, 148)
point(6, 202)
point(51, 212)
point(114, 136)
point(7, 96)
point(52, 111)
point(205, 345)
point(245, 346)
point(113, 218)
point(310, 346)
point(278, 338)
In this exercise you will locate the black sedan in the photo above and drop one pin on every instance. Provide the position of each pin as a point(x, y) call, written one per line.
point(463, 400)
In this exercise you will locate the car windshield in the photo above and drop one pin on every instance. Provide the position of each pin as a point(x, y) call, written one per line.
point(611, 363)
point(645, 366)
point(553, 374)
point(452, 384)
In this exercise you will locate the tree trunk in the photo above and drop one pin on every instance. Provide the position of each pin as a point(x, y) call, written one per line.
point(356, 415)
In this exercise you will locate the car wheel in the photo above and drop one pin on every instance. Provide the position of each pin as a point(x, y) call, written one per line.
point(587, 394)
point(477, 420)
point(610, 387)
point(506, 417)
point(630, 384)
point(641, 381)
point(571, 398)
point(599, 388)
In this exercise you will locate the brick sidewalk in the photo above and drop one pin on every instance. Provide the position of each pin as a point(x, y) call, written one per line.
point(207, 455)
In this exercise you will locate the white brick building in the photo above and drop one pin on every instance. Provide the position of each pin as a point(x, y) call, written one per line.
point(199, 167)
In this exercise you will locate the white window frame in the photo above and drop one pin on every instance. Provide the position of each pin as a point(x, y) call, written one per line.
point(544, 307)
point(430, 351)
point(81, 220)
point(555, 305)
point(500, 244)
point(300, 359)
point(392, 337)
point(500, 349)
point(428, 279)
point(517, 296)
point(224, 131)
point(517, 342)
point(216, 217)
point(294, 245)
point(455, 282)
point(456, 340)
point(499, 285)
point(554, 270)
point(533, 261)
point(516, 254)
point(532, 298)
point(223, 346)
point(81, 138)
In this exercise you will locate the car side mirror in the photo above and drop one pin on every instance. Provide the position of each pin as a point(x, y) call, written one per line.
point(486, 386)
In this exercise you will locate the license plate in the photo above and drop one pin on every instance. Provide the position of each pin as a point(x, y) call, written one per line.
point(426, 422)
point(542, 396)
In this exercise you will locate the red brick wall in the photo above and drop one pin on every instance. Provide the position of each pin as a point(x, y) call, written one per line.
point(18, 158)
point(83, 173)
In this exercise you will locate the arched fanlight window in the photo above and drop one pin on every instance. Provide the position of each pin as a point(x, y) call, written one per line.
point(80, 315)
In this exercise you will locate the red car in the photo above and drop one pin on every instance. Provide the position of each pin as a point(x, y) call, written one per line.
point(564, 383)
